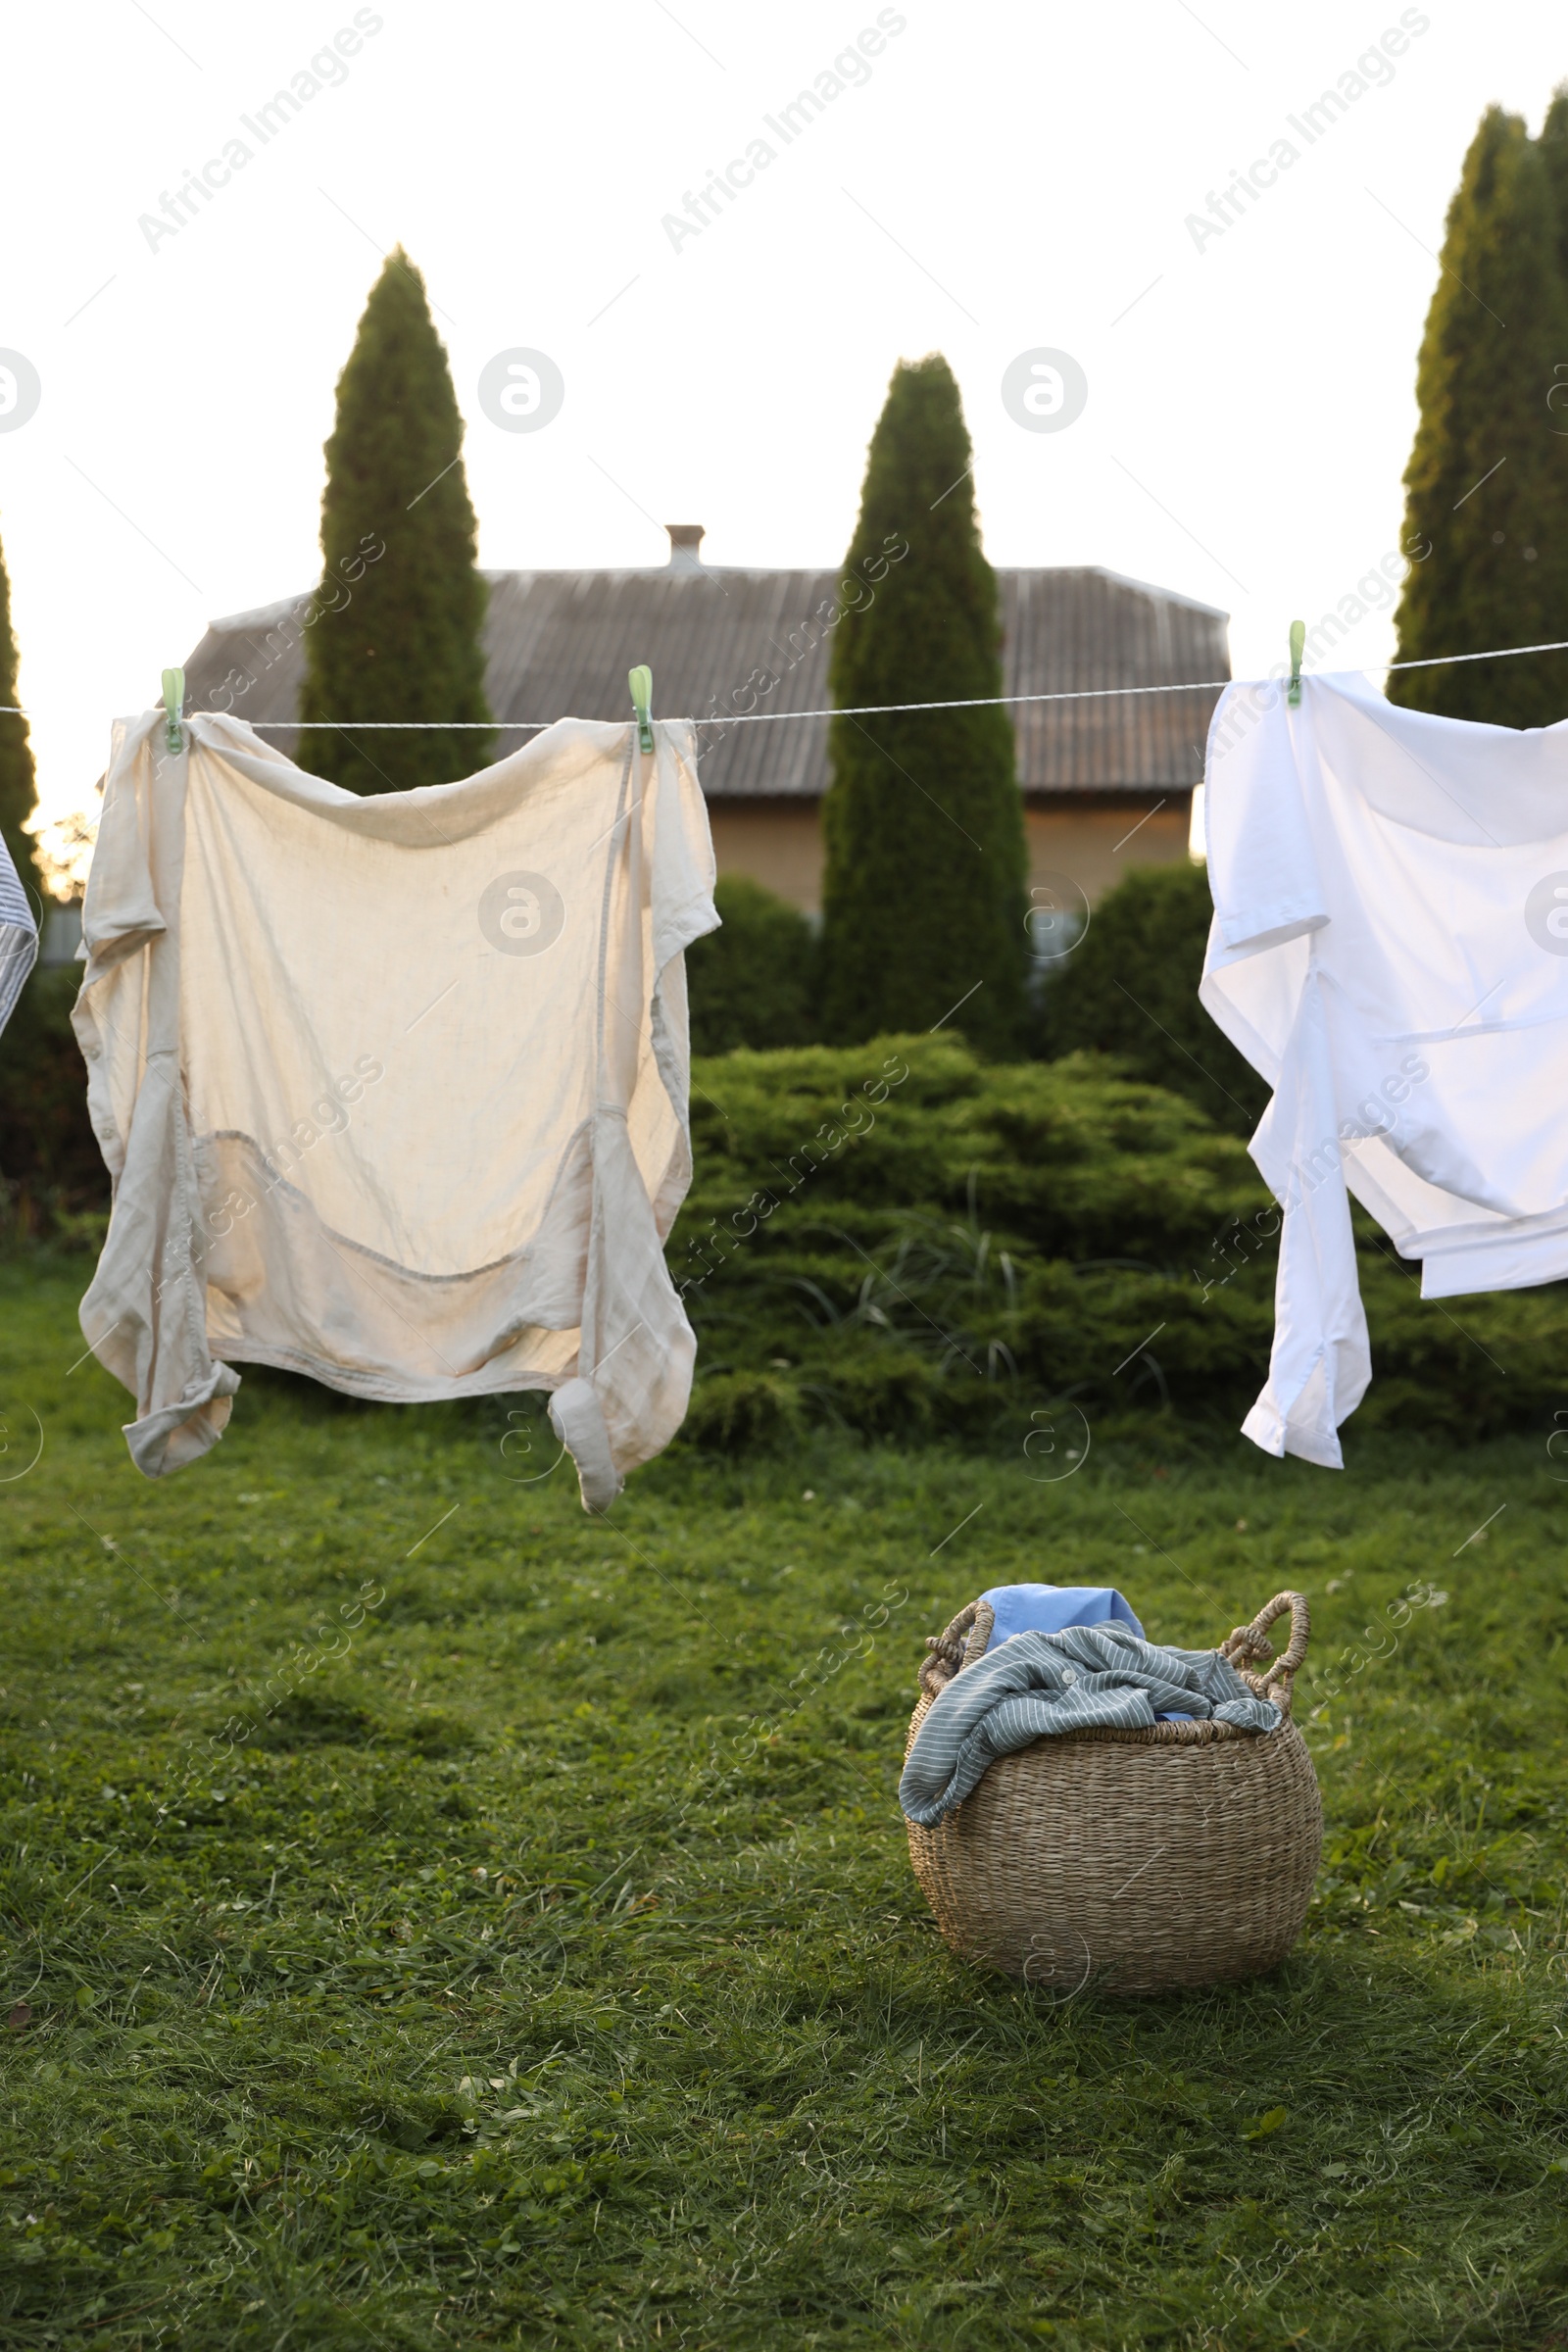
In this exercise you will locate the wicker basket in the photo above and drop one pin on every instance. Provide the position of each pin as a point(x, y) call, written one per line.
point(1182, 1853)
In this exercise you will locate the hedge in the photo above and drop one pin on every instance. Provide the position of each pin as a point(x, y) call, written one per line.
point(755, 981)
point(1130, 988)
point(51, 1169)
point(905, 1240)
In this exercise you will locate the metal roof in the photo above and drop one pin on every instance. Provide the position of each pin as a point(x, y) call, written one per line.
point(560, 643)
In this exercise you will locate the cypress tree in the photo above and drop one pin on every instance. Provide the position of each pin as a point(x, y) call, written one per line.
point(923, 896)
point(1554, 145)
point(18, 791)
point(396, 633)
point(1487, 485)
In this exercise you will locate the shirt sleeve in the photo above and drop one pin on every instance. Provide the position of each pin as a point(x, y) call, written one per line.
point(144, 1316)
point(680, 846)
point(1321, 1360)
point(121, 912)
point(1261, 986)
point(1262, 865)
point(1263, 871)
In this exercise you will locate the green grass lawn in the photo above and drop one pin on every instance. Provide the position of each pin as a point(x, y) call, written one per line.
point(545, 1966)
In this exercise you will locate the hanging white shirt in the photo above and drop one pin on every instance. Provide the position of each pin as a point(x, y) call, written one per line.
point(1389, 950)
point(394, 1090)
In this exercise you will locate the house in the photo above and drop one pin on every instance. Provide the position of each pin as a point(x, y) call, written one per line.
point(1106, 782)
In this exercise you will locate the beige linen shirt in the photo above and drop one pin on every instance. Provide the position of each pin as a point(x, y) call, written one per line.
point(394, 1090)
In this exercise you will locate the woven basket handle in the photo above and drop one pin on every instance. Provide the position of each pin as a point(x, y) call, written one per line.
point(1249, 1641)
point(949, 1652)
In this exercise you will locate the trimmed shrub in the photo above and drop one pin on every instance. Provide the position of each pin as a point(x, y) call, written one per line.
point(917, 1242)
point(738, 1411)
point(754, 982)
point(922, 1241)
point(52, 1168)
point(1130, 988)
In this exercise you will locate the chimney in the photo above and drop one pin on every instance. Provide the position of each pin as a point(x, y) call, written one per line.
point(685, 538)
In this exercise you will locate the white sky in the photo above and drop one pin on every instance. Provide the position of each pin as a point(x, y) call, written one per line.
point(1008, 178)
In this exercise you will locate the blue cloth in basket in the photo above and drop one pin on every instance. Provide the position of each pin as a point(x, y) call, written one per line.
point(1052, 1608)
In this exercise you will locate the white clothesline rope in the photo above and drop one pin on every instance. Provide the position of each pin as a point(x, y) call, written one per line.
point(756, 718)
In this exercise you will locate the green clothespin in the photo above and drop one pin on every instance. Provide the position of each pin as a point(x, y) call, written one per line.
point(173, 707)
point(641, 682)
point(1297, 648)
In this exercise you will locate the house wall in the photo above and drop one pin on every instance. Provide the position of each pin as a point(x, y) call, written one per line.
point(1093, 845)
point(775, 842)
point(1092, 840)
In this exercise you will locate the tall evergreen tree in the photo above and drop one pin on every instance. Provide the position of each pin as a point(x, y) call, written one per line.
point(924, 898)
point(18, 790)
point(1553, 144)
point(396, 632)
point(1487, 485)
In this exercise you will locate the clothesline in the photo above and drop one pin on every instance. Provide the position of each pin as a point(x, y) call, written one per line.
point(756, 718)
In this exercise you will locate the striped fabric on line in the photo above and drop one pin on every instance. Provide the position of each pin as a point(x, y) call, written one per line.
point(18, 936)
